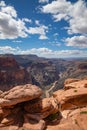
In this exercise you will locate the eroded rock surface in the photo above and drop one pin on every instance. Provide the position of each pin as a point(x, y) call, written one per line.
point(22, 108)
point(19, 94)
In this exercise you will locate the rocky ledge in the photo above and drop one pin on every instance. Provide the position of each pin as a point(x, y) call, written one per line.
point(22, 108)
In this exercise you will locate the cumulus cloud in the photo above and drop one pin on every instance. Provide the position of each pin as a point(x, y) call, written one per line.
point(77, 41)
point(12, 27)
point(8, 18)
point(8, 49)
point(44, 52)
point(58, 8)
point(2, 3)
point(74, 13)
point(41, 30)
point(43, 1)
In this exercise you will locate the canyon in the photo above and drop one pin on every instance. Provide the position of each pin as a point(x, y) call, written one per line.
point(42, 94)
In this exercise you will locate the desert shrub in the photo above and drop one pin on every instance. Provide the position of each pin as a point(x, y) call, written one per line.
point(83, 112)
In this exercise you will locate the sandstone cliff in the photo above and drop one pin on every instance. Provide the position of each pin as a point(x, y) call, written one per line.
point(22, 108)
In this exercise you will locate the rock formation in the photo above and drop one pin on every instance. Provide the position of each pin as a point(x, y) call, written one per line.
point(11, 74)
point(22, 108)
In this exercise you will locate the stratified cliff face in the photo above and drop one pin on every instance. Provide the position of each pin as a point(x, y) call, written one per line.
point(44, 72)
point(11, 74)
point(8, 63)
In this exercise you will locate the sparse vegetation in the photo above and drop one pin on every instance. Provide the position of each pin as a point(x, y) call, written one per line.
point(52, 116)
point(83, 112)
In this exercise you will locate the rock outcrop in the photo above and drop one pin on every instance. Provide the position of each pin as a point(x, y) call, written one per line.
point(11, 74)
point(72, 105)
point(22, 108)
point(19, 94)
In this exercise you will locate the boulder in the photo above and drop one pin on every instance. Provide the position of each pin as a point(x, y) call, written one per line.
point(71, 98)
point(19, 94)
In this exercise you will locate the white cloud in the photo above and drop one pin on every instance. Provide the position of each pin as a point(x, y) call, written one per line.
point(55, 34)
point(9, 10)
point(44, 52)
point(2, 3)
point(43, 1)
point(8, 18)
point(7, 49)
point(41, 30)
point(74, 13)
point(12, 27)
point(27, 20)
point(78, 22)
point(58, 9)
point(37, 22)
point(43, 37)
point(77, 41)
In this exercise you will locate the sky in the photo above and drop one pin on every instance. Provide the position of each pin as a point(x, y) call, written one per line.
point(47, 28)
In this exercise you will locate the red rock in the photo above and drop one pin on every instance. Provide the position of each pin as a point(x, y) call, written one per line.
point(4, 112)
point(11, 74)
point(41, 115)
point(33, 124)
point(8, 63)
point(75, 84)
point(19, 94)
point(71, 98)
point(9, 120)
point(38, 105)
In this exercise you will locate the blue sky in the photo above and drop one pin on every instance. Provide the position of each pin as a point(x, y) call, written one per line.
point(47, 28)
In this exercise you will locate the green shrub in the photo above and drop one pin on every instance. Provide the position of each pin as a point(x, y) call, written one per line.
point(83, 112)
point(52, 117)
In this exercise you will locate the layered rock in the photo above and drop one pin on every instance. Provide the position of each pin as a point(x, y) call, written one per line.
point(75, 83)
point(19, 94)
point(23, 108)
point(72, 98)
point(11, 74)
point(8, 63)
point(73, 106)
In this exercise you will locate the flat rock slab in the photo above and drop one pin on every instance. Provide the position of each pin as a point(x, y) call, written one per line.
point(19, 94)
